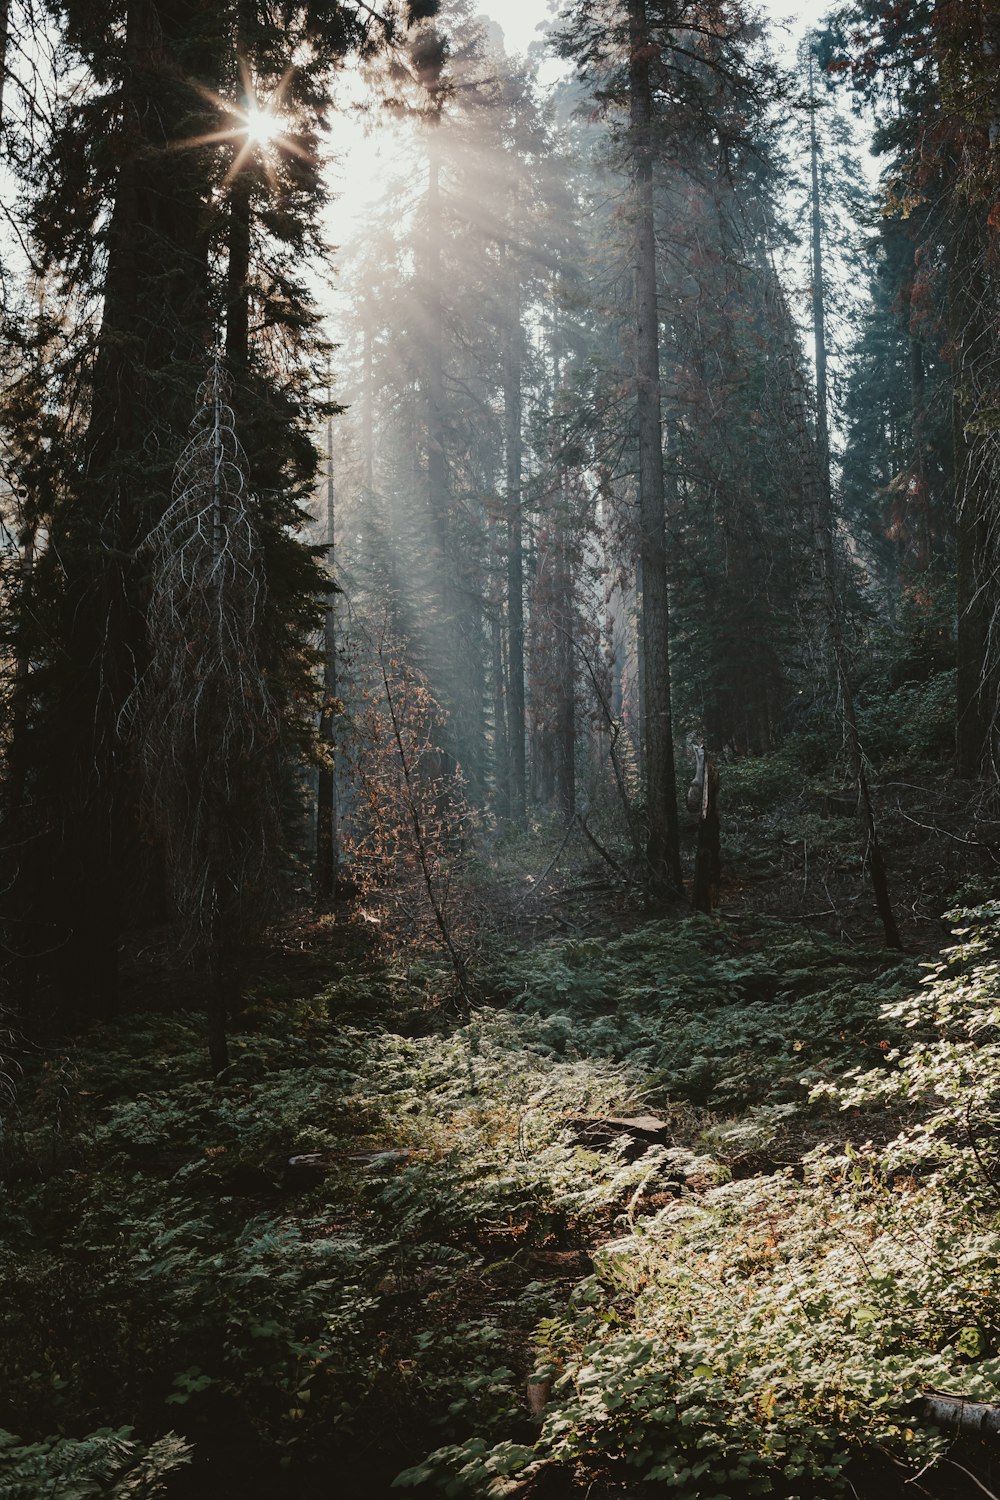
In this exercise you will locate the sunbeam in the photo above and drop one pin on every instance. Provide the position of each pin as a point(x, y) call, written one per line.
point(258, 126)
point(263, 127)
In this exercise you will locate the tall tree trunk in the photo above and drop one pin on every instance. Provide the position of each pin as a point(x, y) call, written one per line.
point(222, 961)
point(237, 284)
point(635, 615)
point(437, 453)
point(240, 216)
point(19, 820)
point(4, 42)
point(445, 665)
point(966, 49)
point(454, 633)
point(663, 846)
point(368, 402)
point(515, 551)
point(918, 385)
point(501, 752)
point(708, 858)
point(17, 760)
point(553, 654)
point(327, 850)
point(150, 358)
point(565, 714)
point(974, 496)
point(823, 513)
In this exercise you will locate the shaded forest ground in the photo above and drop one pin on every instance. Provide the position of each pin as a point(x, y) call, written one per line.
point(395, 1238)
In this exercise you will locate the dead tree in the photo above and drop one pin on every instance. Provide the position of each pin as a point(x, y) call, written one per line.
point(423, 802)
point(209, 728)
point(703, 799)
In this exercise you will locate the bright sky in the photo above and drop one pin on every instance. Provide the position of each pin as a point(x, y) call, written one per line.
point(519, 18)
point(797, 18)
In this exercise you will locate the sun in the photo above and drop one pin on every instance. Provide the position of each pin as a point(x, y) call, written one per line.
point(263, 127)
point(256, 127)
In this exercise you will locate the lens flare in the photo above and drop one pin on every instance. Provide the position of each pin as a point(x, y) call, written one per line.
point(263, 127)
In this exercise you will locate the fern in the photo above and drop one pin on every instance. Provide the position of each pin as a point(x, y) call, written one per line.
point(107, 1463)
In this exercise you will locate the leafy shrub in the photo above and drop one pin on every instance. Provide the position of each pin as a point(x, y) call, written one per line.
point(762, 1335)
point(757, 1338)
point(160, 1262)
point(915, 722)
point(706, 1017)
point(757, 783)
point(714, 1337)
point(946, 1070)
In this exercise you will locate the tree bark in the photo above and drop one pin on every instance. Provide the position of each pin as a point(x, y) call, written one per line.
point(368, 402)
point(565, 717)
point(240, 218)
point(959, 1414)
point(501, 753)
point(437, 459)
point(451, 630)
point(823, 524)
point(237, 283)
point(515, 544)
point(17, 759)
point(150, 357)
point(924, 546)
point(327, 850)
point(4, 41)
point(974, 502)
point(663, 845)
point(708, 859)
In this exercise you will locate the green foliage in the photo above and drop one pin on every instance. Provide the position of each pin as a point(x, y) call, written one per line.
point(110, 1464)
point(755, 1338)
point(903, 725)
point(703, 1318)
point(164, 1257)
point(762, 1334)
point(708, 1018)
point(755, 783)
point(914, 723)
point(947, 1070)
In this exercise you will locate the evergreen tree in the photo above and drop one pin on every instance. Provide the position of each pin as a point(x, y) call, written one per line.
point(668, 66)
point(173, 222)
point(930, 72)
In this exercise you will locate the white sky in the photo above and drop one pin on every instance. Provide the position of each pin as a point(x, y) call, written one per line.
point(519, 18)
point(797, 18)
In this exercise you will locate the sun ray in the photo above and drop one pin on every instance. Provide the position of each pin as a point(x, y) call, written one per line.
point(263, 127)
point(259, 126)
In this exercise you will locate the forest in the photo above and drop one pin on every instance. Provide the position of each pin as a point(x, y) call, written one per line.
point(500, 750)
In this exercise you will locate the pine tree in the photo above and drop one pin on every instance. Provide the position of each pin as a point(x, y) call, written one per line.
point(668, 66)
point(930, 73)
point(150, 356)
point(173, 234)
point(207, 723)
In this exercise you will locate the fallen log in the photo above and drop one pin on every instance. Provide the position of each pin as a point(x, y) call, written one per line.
point(960, 1415)
point(633, 1135)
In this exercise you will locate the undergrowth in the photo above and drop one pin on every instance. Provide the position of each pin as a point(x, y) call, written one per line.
point(350, 1254)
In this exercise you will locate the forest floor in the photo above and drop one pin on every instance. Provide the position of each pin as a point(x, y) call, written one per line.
point(685, 1206)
